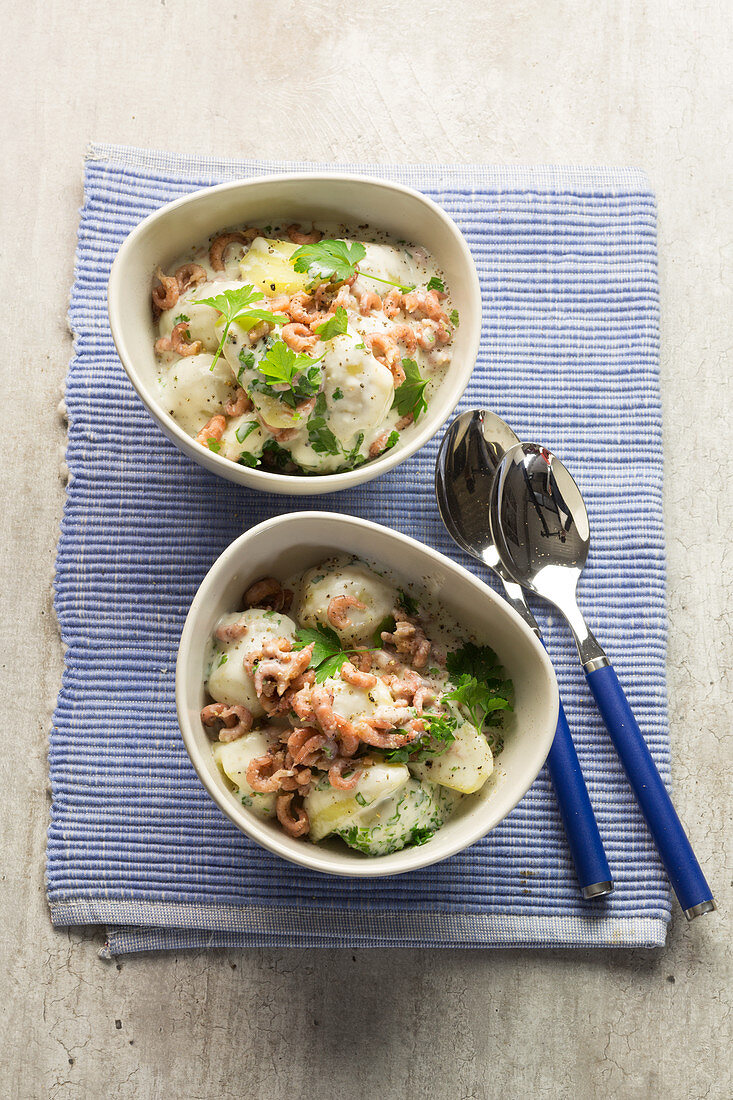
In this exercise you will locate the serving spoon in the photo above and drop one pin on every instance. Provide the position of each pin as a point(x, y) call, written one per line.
point(469, 456)
point(540, 527)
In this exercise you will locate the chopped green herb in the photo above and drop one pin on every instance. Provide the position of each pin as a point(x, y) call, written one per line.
point(385, 627)
point(246, 458)
point(213, 444)
point(435, 283)
point(320, 436)
point(180, 318)
point(454, 318)
point(409, 603)
point(360, 347)
point(392, 438)
point(334, 326)
point(247, 359)
point(245, 430)
point(359, 797)
point(337, 395)
point(410, 396)
point(420, 836)
point(354, 457)
point(277, 455)
point(481, 684)
point(328, 260)
point(222, 660)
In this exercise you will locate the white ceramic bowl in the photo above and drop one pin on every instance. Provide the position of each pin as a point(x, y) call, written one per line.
point(292, 543)
point(164, 235)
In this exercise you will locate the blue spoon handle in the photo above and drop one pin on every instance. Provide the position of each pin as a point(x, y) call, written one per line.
point(681, 865)
point(581, 829)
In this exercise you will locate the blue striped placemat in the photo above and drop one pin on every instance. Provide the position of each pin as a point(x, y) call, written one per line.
point(568, 269)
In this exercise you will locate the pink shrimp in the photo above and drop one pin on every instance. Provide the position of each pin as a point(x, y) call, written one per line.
point(239, 404)
point(426, 302)
point(298, 237)
point(348, 737)
point(343, 299)
point(220, 244)
point(231, 632)
point(321, 701)
point(431, 333)
point(336, 775)
point(236, 721)
point(212, 429)
point(166, 295)
point(293, 819)
point(404, 421)
point(336, 611)
point(266, 592)
point(265, 773)
point(303, 309)
point(356, 678)
point(188, 275)
point(378, 445)
point(405, 334)
point(299, 337)
point(178, 342)
point(393, 303)
point(385, 350)
point(368, 300)
point(382, 740)
point(279, 304)
point(304, 745)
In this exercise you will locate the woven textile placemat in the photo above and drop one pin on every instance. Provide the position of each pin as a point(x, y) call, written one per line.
point(569, 356)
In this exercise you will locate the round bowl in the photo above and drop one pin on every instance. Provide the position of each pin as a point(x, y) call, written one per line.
point(400, 211)
point(291, 543)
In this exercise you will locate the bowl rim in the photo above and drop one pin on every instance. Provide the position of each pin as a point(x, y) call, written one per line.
point(265, 480)
point(249, 823)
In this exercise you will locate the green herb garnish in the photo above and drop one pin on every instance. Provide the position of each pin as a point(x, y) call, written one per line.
point(320, 436)
point(337, 395)
point(327, 656)
point(481, 684)
point(180, 318)
point(334, 326)
point(454, 318)
point(248, 459)
point(410, 396)
point(434, 283)
point(233, 305)
point(213, 444)
point(335, 261)
point(245, 430)
point(409, 603)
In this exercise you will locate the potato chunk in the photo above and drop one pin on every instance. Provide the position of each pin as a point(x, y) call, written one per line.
point(465, 765)
point(267, 266)
point(233, 759)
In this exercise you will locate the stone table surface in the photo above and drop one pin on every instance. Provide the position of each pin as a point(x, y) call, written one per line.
point(549, 81)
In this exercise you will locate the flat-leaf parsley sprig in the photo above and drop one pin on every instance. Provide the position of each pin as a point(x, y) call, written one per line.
point(482, 686)
point(328, 656)
point(409, 397)
point(287, 375)
point(335, 262)
point(234, 305)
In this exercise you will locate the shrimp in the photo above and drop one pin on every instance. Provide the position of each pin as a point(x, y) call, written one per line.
point(265, 773)
point(239, 404)
point(321, 701)
point(220, 244)
point(336, 775)
point(231, 632)
point(266, 592)
point(188, 275)
point(378, 445)
point(212, 429)
point(382, 740)
point(405, 334)
point(343, 298)
point(304, 745)
point(298, 237)
point(426, 302)
point(432, 333)
point(368, 300)
point(356, 678)
point(393, 303)
point(178, 342)
point(299, 337)
point(336, 611)
point(303, 309)
point(384, 349)
point(236, 721)
point(166, 295)
point(293, 819)
point(404, 421)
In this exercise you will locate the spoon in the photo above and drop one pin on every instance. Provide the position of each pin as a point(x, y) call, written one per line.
point(470, 454)
point(540, 526)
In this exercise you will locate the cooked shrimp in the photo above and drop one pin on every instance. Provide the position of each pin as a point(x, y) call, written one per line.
point(266, 592)
point(166, 295)
point(336, 775)
point(404, 421)
point(304, 745)
point(336, 611)
point(293, 818)
point(212, 429)
point(380, 739)
point(299, 337)
point(298, 237)
point(378, 445)
point(189, 275)
point(343, 298)
point(393, 303)
point(431, 333)
point(239, 404)
point(405, 334)
point(265, 773)
point(303, 309)
point(426, 302)
point(236, 721)
point(321, 701)
point(368, 300)
point(220, 244)
point(178, 341)
point(356, 678)
point(385, 350)
point(231, 632)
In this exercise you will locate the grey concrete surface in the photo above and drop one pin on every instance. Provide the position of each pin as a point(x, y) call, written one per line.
point(644, 83)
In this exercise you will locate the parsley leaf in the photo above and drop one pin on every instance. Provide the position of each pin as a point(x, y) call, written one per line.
point(181, 317)
point(435, 283)
point(280, 364)
point(420, 836)
point(277, 456)
point(233, 305)
point(337, 394)
point(334, 326)
point(454, 318)
point(481, 684)
point(409, 603)
point(320, 436)
point(213, 444)
point(328, 656)
point(410, 396)
point(354, 457)
point(248, 459)
point(328, 261)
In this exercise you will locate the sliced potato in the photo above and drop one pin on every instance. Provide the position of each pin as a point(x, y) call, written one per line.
point(330, 810)
point(233, 759)
point(464, 766)
point(267, 266)
point(229, 681)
